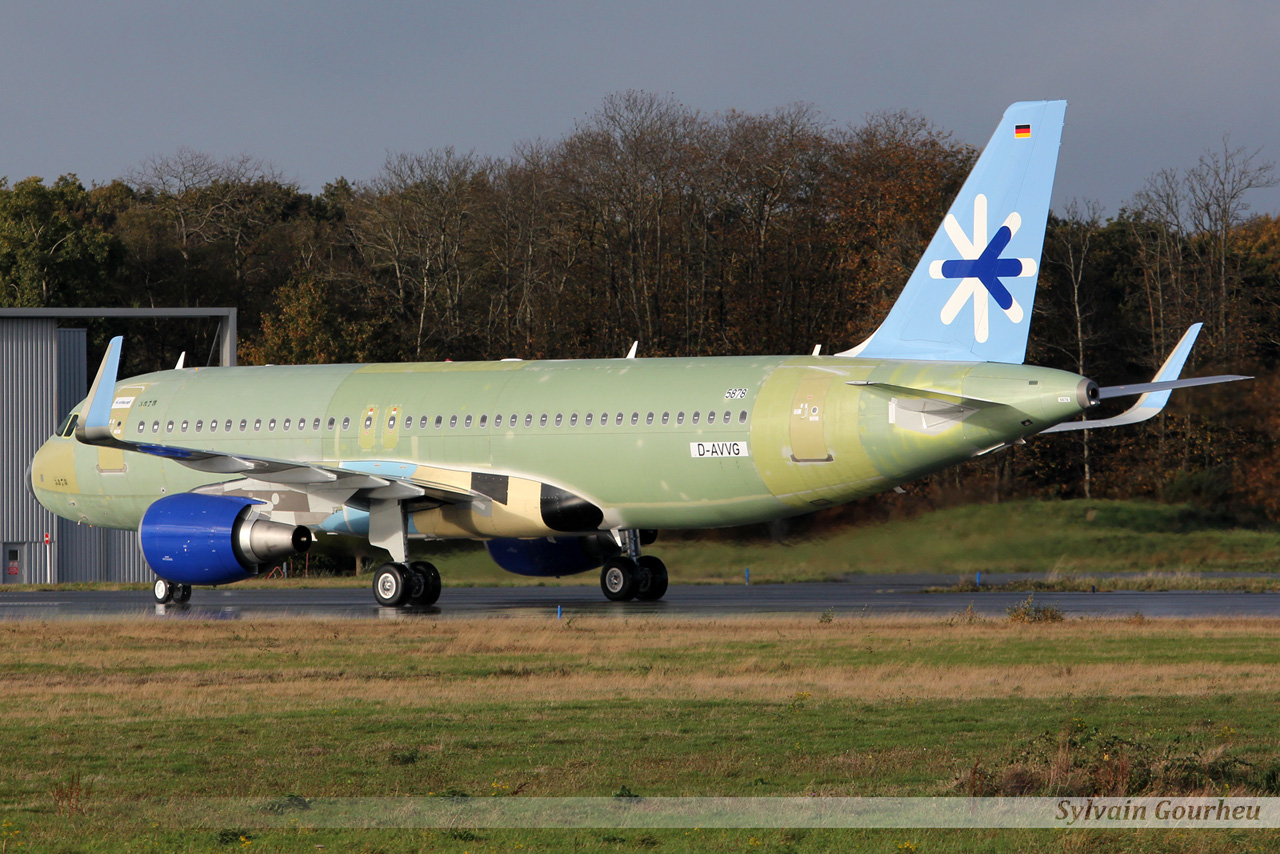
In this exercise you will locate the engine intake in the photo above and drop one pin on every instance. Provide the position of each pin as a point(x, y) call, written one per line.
point(213, 539)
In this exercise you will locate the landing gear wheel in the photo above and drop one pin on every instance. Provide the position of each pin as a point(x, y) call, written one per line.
point(653, 581)
point(163, 591)
point(181, 594)
point(619, 579)
point(417, 582)
point(390, 587)
point(429, 592)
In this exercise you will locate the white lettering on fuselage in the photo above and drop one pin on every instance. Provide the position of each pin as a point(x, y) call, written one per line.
point(718, 449)
point(122, 402)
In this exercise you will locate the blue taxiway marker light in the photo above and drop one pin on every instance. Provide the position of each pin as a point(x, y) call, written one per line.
point(978, 578)
point(557, 612)
point(747, 573)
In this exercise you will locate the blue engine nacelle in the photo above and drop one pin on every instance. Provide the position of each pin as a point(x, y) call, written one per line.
point(213, 539)
point(551, 556)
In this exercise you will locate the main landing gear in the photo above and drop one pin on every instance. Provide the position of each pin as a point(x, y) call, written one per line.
point(632, 575)
point(166, 592)
point(395, 584)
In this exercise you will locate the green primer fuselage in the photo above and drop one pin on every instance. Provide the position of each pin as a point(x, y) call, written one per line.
point(702, 442)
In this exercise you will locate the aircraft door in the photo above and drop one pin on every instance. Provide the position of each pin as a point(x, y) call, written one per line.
point(111, 460)
point(808, 416)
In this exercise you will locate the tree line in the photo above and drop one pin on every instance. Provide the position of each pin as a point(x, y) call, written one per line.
point(695, 234)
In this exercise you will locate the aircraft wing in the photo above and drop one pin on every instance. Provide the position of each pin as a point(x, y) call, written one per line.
point(1153, 395)
point(362, 481)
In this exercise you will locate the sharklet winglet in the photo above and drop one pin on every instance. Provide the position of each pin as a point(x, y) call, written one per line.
point(95, 427)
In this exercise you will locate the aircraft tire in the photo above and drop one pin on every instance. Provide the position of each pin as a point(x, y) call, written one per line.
point(416, 580)
point(619, 579)
point(653, 583)
point(163, 591)
point(181, 594)
point(429, 594)
point(390, 586)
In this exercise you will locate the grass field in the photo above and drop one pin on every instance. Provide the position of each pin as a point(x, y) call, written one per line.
point(105, 721)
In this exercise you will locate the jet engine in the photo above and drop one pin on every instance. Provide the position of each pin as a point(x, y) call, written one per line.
point(551, 556)
point(213, 539)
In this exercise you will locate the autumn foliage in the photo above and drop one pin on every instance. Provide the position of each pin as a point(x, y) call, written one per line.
point(694, 234)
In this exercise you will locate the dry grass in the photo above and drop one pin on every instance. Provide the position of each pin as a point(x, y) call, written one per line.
point(128, 669)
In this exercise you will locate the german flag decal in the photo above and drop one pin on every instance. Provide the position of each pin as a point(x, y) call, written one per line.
point(1022, 131)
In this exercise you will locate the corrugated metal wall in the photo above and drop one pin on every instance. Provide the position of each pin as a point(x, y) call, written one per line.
point(43, 374)
point(28, 414)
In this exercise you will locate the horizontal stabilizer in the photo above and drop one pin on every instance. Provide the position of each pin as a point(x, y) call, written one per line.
point(1153, 395)
point(1145, 388)
point(931, 393)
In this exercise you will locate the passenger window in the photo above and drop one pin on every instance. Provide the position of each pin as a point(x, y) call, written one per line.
point(666, 418)
point(142, 425)
point(542, 422)
point(155, 427)
point(696, 416)
point(368, 421)
point(711, 417)
point(346, 423)
point(244, 424)
point(559, 419)
point(618, 420)
point(484, 419)
point(184, 426)
point(573, 420)
point(391, 423)
point(587, 420)
point(453, 421)
point(226, 428)
point(168, 428)
point(331, 423)
point(257, 424)
point(649, 419)
point(422, 423)
point(528, 420)
point(467, 423)
point(680, 417)
point(497, 420)
point(199, 424)
point(315, 424)
point(408, 422)
point(439, 421)
point(271, 425)
point(287, 423)
point(727, 415)
point(604, 419)
point(635, 418)
point(213, 425)
point(742, 417)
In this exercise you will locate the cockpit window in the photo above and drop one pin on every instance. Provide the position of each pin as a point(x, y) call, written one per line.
point(68, 425)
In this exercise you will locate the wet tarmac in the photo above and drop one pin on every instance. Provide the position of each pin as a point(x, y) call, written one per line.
point(863, 595)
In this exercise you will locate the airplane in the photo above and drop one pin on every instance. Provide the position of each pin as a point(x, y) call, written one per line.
point(565, 467)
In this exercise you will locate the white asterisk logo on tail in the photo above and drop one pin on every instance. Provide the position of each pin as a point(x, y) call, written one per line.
point(980, 269)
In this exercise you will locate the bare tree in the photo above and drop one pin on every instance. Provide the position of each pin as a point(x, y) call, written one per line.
point(1069, 249)
point(1216, 188)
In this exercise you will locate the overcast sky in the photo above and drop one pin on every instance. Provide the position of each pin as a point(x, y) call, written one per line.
point(324, 90)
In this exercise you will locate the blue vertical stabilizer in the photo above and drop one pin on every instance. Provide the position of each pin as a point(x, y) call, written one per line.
point(970, 296)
